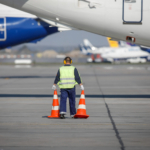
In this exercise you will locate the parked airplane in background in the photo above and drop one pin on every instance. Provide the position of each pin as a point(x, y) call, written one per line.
point(88, 48)
point(126, 20)
point(115, 53)
point(17, 27)
point(144, 48)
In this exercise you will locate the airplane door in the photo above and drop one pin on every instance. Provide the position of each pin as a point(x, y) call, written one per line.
point(2, 29)
point(132, 11)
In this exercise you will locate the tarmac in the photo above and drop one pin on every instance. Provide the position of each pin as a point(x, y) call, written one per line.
point(117, 101)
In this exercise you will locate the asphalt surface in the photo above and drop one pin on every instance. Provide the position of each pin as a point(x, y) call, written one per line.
point(117, 101)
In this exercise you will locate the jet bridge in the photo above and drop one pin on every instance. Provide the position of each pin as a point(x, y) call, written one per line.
point(133, 11)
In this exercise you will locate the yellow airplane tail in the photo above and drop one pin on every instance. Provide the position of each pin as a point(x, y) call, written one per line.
point(112, 43)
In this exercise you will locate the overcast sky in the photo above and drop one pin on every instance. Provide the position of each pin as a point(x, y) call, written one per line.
point(68, 38)
point(74, 38)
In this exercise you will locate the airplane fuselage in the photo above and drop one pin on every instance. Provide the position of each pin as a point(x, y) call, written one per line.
point(17, 27)
point(121, 53)
point(119, 19)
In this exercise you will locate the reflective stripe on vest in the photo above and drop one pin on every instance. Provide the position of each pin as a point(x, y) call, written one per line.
point(67, 79)
point(67, 83)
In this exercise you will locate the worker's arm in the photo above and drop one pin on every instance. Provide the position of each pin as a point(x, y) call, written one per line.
point(57, 78)
point(77, 77)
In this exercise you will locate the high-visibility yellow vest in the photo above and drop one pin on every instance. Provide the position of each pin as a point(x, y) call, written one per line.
point(67, 77)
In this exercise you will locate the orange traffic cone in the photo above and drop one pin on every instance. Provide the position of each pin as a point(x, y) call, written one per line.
point(55, 106)
point(81, 112)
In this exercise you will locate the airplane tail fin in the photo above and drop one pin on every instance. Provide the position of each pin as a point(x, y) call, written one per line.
point(126, 44)
point(113, 44)
point(130, 44)
point(82, 49)
point(123, 44)
point(88, 45)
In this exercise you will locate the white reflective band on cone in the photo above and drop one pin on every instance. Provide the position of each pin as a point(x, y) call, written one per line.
point(55, 107)
point(81, 107)
point(83, 96)
point(55, 97)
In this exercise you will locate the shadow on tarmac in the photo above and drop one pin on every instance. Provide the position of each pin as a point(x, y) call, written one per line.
point(24, 77)
point(83, 75)
point(61, 119)
point(77, 96)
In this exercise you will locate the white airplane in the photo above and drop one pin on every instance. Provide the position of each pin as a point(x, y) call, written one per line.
point(126, 20)
point(115, 53)
point(131, 55)
point(88, 48)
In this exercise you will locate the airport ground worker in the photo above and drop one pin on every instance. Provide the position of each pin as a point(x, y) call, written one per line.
point(67, 77)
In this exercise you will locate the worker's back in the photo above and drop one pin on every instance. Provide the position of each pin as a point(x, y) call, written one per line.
point(67, 77)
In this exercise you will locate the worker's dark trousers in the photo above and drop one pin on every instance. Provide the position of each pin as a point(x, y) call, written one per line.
point(71, 94)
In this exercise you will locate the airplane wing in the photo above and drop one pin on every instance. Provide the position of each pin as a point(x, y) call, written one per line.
point(61, 27)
